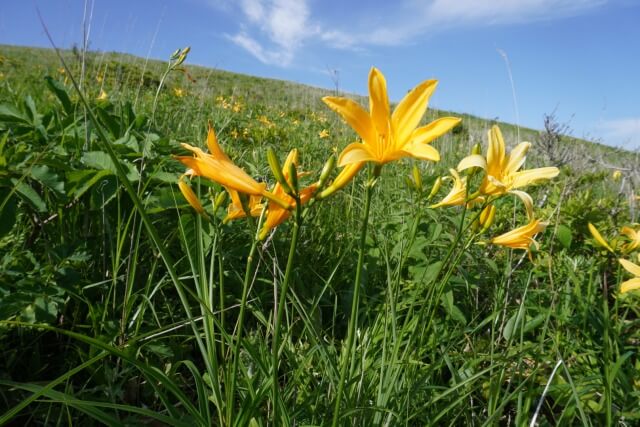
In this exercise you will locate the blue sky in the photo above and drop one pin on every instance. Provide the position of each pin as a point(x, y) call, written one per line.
point(580, 58)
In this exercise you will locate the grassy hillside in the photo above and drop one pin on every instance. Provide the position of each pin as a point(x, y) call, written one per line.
point(126, 301)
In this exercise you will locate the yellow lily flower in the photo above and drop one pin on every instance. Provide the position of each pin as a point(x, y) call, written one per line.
point(616, 175)
point(521, 237)
point(632, 284)
point(188, 193)
point(599, 239)
point(103, 96)
point(502, 174)
point(344, 177)
point(235, 210)
point(387, 137)
point(219, 168)
point(458, 193)
point(276, 214)
point(634, 236)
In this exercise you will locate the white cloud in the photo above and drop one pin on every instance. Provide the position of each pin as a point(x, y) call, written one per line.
point(624, 132)
point(282, 26)
point(274, 30)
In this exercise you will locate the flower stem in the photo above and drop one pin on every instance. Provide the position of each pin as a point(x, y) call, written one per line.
point(243, 304)
point(275, 351)
point(346, 351)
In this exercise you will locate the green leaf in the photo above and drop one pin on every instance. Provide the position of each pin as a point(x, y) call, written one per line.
point(101, 160)
point(60, 92)
point(29, 195)
point(7, 211)
point(48, 177)
point(11, 114)
point(451, 309)
point(85, 180)
point(564, 236)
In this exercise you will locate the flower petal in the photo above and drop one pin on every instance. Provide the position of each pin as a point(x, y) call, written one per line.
point(530, 176)
point(472, 161)
point(189, 195)
point(630, 285)
point(527, 200)
point(214, 147)
point(596, 235)
point(378, 101)
point(409, 111)
point(422, 151)
point(355, 153)
point(630, 267)
point(344, 177)
point(516, 158)
point(495, 152)
point(435, 129)
point(354, 115)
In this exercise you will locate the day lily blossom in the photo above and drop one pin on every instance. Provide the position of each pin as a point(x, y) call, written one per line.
point(188, 193)
point(631, 284)
point(502, 175)
point(389, 136)
point(599, 239)
point(458, 194)
point(276, 214)
point(521, 237)
point(217, 167)
point(235, 210)
point(634, 236)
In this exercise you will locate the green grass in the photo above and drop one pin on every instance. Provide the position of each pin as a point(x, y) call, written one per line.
point(119, 305)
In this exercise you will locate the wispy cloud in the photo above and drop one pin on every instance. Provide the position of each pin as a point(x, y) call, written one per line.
point(624, 132)
point(274, 30)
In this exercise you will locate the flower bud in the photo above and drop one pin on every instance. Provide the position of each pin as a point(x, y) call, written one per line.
point(276, 170)
point(417, 178)
point(328, 167)
point(436, 187)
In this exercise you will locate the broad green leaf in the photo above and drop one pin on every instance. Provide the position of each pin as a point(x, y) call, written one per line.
point(60, 92)
point(48, 177)
point(101, 160)
point(30, 195)
point(564, 236)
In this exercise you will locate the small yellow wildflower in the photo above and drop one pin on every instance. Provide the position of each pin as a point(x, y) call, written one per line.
point(103, 95)
point(323, 134)
point(179, 92)
point(265, 121)
point(616, 175)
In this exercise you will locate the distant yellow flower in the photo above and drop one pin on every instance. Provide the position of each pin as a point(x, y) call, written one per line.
point(265, 121)
point(179, 92)
point(237, 107)
point(502, 174)
point(219, 168)
point(387, 137)
point(99, 78)
point(276, 214)
point(323, 133)
point(616, 175)
point(521, 237)
point(599, 239)
point(62, 70)
point(102, 96)
point(632, 284)
point(235, 210)
point(634, 236)
point(188, 193)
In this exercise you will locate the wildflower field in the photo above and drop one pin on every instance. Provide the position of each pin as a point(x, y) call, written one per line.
point(191, 247)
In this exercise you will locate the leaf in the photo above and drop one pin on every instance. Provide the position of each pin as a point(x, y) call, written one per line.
point(11, 114)
point(451, 309)
point(60, 92)
point(85, 180)
point(29, 195)
point(7, 211)
point(564, 236)
point(48, 177)
point(101, 160)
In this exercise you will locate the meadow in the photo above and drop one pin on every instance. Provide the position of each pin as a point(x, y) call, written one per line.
point(289, 267)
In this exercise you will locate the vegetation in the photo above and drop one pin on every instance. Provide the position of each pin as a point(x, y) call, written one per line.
point(393, 300)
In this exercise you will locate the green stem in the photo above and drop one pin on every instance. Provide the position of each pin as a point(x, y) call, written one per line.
point(275, 351)
point(607, 351)
point(346, 352)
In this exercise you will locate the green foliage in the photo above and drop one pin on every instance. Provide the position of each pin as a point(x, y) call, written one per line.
point(119, 306)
